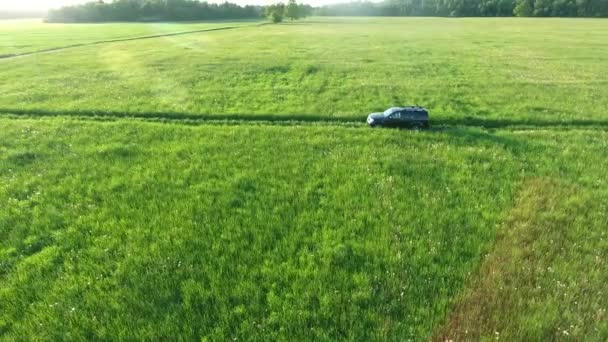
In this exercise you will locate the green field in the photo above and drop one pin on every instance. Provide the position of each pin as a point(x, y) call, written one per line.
point(531, 70)
point(221, 185)
point(19, 37)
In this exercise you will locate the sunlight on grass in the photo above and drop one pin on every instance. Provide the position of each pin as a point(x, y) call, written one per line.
point(130, 69)
point(24, 36)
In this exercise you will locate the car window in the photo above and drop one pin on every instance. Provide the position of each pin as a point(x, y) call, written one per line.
point(413, 114)
point(418, 114)
point(396, 115)
point(389, 111)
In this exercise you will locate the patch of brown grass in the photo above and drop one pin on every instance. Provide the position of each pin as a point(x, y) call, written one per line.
point(529, 287)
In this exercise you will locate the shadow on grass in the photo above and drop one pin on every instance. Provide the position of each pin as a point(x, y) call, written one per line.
point(465, 137)
point(523, 123)
point(306, 118)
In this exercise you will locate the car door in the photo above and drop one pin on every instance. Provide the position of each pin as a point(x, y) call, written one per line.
point(418, 117)
point(413, 117)
point(394, 120)
point(403, 118)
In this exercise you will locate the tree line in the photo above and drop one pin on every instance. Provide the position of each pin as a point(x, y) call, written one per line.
point(174, 10)
point(180, 10)
point(152, 10)
point(470, 8)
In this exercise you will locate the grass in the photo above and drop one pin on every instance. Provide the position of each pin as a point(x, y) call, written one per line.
point(534, 71)
point(238, 231)
point(276, 215)
point(544, 272)
point(31, 35)
point(141, 230)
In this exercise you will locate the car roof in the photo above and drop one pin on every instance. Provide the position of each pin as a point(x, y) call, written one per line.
point(412, 108)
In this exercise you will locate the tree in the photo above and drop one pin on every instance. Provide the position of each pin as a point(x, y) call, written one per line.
point(505, 8)
point(304, 10)
point(292, 11)
point(275, 12)
point(564, 8)
point(542, 8)
point(523, 9)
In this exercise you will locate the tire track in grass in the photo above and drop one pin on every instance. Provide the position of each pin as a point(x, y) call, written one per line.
point(301, 119)
point(534, 285)
point(67, 47)
point(188, 118)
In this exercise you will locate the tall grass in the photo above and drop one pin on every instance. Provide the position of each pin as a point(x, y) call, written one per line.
point(519, 69)
point(140, 230)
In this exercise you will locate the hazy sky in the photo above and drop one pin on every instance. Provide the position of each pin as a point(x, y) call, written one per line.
point(46, 4)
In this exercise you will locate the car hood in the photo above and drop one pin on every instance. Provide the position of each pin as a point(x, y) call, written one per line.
point(376, 116)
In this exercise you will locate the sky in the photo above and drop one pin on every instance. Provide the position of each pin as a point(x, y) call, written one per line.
point(46, 4)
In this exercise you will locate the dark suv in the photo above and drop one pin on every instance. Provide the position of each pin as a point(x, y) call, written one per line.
point(411, 117)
